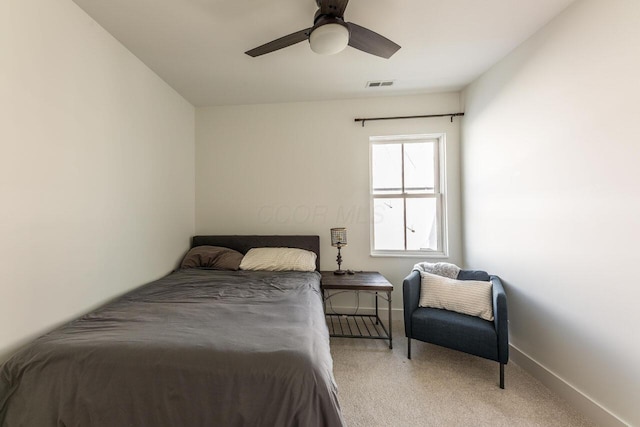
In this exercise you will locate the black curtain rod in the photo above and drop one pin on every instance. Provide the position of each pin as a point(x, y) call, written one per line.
point(370, 119)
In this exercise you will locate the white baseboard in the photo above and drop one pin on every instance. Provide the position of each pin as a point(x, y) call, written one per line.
point(583, 403)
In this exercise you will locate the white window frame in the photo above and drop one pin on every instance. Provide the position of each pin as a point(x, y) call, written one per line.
point(440, 194)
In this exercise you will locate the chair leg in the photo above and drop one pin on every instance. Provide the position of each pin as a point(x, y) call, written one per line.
point(502, 376)
point(409, 347)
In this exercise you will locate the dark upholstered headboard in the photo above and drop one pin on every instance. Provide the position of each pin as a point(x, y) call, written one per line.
point(244, 243)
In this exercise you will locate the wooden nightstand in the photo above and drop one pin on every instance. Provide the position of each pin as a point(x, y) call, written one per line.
point(357, 325)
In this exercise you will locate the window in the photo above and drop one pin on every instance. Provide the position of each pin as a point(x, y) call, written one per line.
point(407, 195)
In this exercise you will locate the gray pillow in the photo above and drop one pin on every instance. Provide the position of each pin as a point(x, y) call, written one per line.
point(213, 258)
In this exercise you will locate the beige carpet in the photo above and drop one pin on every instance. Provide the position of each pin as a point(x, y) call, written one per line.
point(437, 387)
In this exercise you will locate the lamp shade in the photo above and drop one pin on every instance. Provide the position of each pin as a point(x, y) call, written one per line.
point(338, 237)
point(329, 39)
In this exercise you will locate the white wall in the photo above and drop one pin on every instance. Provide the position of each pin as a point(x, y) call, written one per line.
point(96, 169)
point(302, 168)
point(551, 198)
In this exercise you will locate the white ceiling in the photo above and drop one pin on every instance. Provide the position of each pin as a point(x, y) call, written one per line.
point(197, 46)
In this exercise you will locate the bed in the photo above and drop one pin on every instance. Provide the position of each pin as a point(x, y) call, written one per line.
point(195, 348)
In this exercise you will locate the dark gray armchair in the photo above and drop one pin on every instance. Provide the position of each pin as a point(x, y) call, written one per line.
point(458, 331)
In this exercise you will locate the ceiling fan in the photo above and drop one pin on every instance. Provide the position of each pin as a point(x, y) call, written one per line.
point(330, 34)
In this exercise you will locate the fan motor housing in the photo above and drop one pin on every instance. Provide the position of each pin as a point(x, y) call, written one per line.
point(320, 20)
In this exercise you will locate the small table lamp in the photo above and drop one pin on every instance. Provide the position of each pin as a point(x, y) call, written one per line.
point(338, 240)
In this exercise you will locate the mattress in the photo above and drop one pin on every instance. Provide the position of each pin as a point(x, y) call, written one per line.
point(195, 348)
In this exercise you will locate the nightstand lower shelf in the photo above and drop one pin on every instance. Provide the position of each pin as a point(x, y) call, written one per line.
point(356, 326)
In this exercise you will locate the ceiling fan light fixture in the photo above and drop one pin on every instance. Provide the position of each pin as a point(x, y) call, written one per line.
point(329, 39)
point(330, 34)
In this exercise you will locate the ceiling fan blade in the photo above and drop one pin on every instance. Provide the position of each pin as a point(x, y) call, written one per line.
point(333, 7)
point(371, 42)
point(280, 43)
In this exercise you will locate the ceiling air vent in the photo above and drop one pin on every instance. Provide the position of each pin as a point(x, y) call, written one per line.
point(380, 83)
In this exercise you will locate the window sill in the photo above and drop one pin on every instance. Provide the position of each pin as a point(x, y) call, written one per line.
point(406, 254)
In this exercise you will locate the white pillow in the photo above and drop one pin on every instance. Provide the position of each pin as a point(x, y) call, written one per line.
point(473, 297)
point(279, 259)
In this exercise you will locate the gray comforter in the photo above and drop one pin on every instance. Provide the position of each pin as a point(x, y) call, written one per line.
point(196, 348)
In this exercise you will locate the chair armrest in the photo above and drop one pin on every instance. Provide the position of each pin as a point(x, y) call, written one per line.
point(501, 319)
point(410, 298)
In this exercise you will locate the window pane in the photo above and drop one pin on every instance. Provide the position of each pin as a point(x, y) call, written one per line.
point(388, 224)
point(386, 167)
point(419, 174)
point(422, 224)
